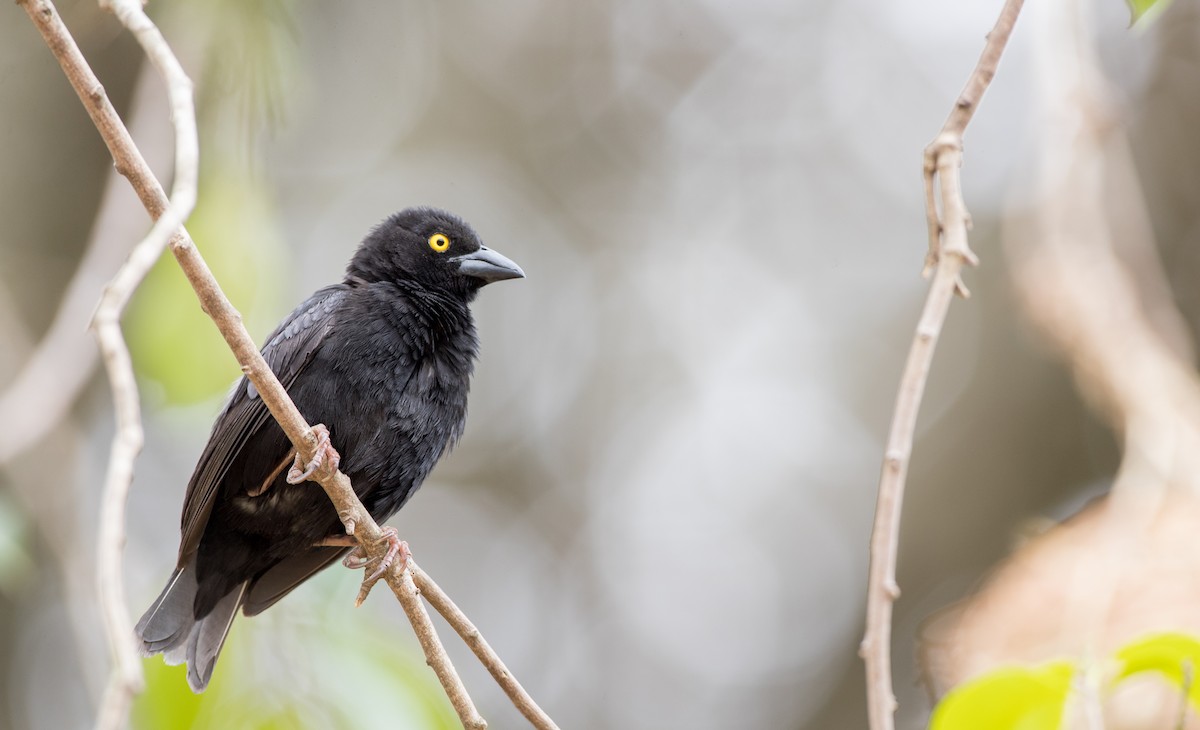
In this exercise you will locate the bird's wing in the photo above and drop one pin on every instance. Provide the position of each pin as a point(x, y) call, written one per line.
point(281, 578)
point(288, 351)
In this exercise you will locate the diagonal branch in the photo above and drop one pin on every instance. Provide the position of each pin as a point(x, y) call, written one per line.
point(949, 253)
point(129, 162)
point(126, 678)
point(487, 656)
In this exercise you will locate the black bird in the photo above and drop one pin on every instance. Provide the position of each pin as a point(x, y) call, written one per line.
point(382, 359)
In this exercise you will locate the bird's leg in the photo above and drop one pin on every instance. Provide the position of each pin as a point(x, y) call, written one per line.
point(326, 458)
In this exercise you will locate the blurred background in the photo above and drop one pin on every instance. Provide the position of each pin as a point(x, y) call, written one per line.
point(659, 513)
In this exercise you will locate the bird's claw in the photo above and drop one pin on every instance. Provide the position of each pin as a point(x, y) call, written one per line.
point(357, 558)
point(325, 459)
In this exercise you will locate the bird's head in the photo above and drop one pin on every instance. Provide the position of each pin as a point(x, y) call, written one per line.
point(430, 247)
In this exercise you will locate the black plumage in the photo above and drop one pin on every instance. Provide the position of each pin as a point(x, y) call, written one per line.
point(383, 359)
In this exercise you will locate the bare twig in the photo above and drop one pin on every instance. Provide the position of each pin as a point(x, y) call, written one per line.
point(948, 254)
point(129, 162)
point(1185, 688)
point(126, 679)
point(487, 656)
point(401, 582)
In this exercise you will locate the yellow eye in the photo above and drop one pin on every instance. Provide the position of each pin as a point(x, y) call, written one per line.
point(439, 242)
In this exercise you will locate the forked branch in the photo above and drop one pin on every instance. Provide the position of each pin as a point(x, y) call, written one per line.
point(130, 163)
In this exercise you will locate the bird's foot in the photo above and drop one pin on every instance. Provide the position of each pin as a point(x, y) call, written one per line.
point(397, 549)
point(324, 463)
point(357, 558)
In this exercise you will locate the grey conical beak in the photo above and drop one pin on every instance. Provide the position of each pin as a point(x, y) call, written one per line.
point(489, 266)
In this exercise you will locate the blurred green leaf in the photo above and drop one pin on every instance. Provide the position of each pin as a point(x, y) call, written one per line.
point(309, 664)
point(167, 703)
point(1139, 9)
point(1015, 698)
point(1175, 655)
point(229, 702)
point(15, 562)
point(172, 341)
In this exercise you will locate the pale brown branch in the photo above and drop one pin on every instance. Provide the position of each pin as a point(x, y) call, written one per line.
point(949, 253)
point(487, 656)
point(126, 679)
point(130, 163)
point(401, 582)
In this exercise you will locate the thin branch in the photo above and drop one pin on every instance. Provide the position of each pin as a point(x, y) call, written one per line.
point(354, 516)
point(487, 656)
point(949, 253)
point(410, 598)
point(53, 375)
point(126, 679)
point(1185, 689)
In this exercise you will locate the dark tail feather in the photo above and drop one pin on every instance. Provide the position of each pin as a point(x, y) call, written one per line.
point(169, 620)
point(208, 637)
point(170, 627)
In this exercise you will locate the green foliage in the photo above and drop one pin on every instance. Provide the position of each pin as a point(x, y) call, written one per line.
point(167, 702)
point(1013, 698)
point(1148, 9)
point(1174, 655)
point(1034, 698)
point(308, 664)
point(173, 342)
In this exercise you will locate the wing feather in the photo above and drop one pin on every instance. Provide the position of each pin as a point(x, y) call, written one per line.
point(289, 349)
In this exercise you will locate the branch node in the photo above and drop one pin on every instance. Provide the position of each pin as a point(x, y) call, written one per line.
point(947, 231)
point(347, 517)
point(893, 589)
point(894, 459)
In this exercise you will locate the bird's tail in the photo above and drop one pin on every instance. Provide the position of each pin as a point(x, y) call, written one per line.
point(170, 626)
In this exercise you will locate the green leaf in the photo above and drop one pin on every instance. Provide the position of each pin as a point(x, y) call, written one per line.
point(1172, 654)
point(1148, 9)
point(1014, 698)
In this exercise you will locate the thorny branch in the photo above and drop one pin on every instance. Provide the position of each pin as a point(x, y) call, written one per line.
point(131, 164)
point(948, 253)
